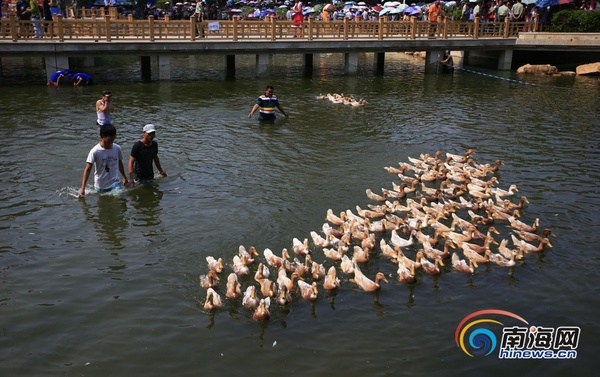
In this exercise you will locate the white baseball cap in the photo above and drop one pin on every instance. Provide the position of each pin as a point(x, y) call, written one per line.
point(149, 128)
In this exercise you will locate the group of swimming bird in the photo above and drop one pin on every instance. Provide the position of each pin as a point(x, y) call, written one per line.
point(440, 209)
point(344, 99)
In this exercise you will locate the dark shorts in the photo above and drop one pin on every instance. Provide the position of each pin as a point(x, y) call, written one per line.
point(266, 117)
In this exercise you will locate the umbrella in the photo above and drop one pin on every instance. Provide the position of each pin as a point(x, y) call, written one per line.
point(384, 11)
point(527, 2)
point(391, 4)
point(396, 11)
point(283, 6)
point(551, 3)
point(402, 6)
point(377, 8)
point(412, 9)
point(328, 7)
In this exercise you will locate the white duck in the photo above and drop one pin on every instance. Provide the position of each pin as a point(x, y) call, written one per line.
point(308, 291)
point(273, 259)
point(427, 266)
point(347, 265)
point(405, 275)
point(239, 266)
point(461, 265)
point(334, 219)
point(261, 313)
point(318, 240)
point(215, 265)
point(364, 282)
point(509, 253)
point(213, 300)
point(360, 255)
point(396, 240)
point(234, 289)
point(333, 254)
point(499, 259)
point(331, 281)
point(250, 300)
point(300, 248)
point(209, 280)
point(519, 225)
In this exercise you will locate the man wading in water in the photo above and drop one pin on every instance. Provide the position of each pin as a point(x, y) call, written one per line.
point(267, 104)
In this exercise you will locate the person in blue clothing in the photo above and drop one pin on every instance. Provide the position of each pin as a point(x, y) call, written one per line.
point(266, 104)
point(54, 79)
point(81, 79)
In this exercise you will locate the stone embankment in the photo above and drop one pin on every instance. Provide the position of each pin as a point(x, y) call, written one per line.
point(547, 69)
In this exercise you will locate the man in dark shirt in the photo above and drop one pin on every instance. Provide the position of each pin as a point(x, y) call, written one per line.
point(143, 154)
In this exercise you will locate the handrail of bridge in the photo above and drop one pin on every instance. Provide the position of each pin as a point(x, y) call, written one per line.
point(109, 28)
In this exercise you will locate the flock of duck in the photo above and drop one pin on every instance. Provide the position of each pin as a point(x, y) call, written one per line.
point(341, 98)
point(441, 210)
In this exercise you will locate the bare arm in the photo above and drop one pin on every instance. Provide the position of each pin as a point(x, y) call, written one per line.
point(254, 108)
point(86, 174)
point(130, 168)
point(122, 170)
point(281, 109)
point(160, 169)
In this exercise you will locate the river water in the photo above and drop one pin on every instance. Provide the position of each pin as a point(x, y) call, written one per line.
point(108, 285)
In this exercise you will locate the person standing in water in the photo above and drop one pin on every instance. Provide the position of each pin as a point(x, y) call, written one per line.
point(104, 109)
point(266, 105)
point(143, 154)
point(107, 159)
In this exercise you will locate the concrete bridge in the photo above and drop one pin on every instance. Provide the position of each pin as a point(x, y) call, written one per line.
point(158, 53)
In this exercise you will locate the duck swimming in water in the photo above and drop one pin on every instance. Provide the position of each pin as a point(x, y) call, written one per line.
point(213, 300)
point(331, 281)
point(364, 282)
point(261, 313)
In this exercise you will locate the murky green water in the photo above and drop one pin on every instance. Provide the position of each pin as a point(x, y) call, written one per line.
point(109, 285)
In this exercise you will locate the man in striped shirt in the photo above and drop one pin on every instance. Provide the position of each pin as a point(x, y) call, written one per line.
point(266, 105)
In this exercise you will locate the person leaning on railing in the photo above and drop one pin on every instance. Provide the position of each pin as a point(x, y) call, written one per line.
point(36, 16)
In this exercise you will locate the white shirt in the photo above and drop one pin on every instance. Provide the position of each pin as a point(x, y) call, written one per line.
point(106, 165)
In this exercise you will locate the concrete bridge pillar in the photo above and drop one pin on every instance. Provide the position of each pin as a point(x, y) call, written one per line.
point(432, 61)
point(379, 62)
point(146, 66)
point(262, 64)
point(164, 67)
point(351, 63)
point(55, 63)
point(505, 60)
point(308, 60)
point(230, 66)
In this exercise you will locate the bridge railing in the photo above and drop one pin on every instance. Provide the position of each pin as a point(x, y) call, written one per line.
point(107, 28)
